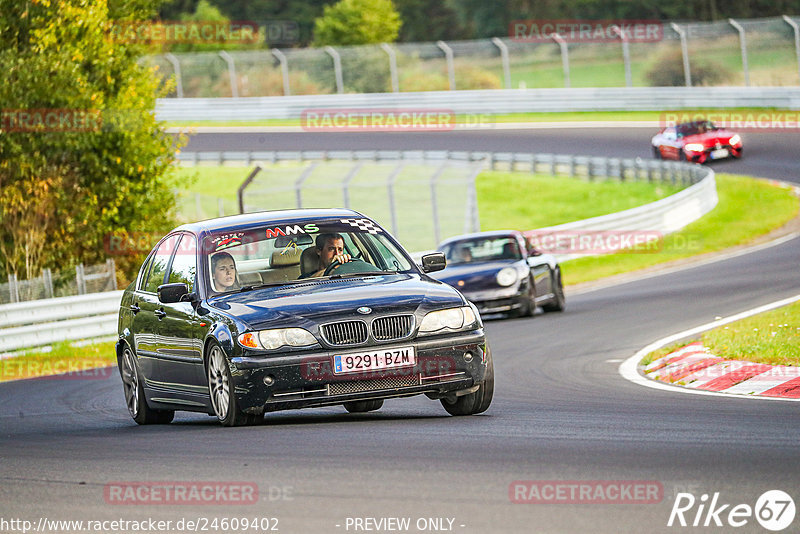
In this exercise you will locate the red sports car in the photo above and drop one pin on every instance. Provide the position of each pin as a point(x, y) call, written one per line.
point(697, 141)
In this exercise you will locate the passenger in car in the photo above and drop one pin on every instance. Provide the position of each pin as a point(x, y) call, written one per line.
point(223, 270)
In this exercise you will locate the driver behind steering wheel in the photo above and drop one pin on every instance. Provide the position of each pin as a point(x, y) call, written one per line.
point(329, 248)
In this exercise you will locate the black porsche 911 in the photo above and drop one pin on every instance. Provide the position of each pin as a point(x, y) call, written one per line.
point(243, 315)
point(500, 273)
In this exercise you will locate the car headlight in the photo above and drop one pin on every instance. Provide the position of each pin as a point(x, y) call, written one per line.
point(695, 147)
point(451, 319)
point(507, 276)
point(276, 338)
point(734, 140)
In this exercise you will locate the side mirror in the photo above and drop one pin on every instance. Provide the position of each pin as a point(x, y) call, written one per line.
point(169, 293)
point(433, 262)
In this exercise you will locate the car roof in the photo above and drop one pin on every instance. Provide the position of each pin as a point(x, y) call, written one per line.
point(259, 218)
point(478, 235)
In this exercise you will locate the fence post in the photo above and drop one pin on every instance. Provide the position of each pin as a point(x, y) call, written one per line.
point(231, 72)
point(176, 66)
point(240, 191)
point(390, 189)
point(743, 44)
point(392, 67)
point(346, 183)
point(284, 70)
point(47, 278)
point(504, 58)
point(80, 279)
point(298, 185)
point(626, 55)
point(451, 69)
point(434, 206)
point(337, 68)
point(13, 289)
point(796, 29)
point(562, 45)
point(112, 273)
point(687, 72)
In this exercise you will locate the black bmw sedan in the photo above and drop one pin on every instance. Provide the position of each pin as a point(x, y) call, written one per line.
point(243, 315)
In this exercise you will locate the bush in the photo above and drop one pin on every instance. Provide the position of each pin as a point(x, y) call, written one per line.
point(668, 71)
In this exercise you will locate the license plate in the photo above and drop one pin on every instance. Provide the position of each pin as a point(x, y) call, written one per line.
point(719, 153)
point(373, 360)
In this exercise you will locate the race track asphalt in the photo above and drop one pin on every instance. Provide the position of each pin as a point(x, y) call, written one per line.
point(561, 410)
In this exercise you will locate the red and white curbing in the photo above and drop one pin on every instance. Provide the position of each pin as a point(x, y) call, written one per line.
point(694, 367)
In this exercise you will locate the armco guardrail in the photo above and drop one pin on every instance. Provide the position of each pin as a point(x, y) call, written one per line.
point(494, 101)
point(40, 322)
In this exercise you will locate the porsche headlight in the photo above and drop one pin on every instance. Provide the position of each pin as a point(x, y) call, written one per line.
point(276, 338)
point(451, 319)
point(734, 140)
point(507, 276)
point(695, 147)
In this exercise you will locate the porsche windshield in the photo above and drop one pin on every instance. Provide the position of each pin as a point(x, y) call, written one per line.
point(695, 128)
point(484, 249)
point(286, 252)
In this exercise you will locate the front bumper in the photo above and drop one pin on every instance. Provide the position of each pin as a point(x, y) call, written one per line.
point(498, 301)
point(709, 154)
point(445, 364)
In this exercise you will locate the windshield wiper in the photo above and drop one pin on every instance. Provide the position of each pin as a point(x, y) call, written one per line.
point(366, 273)
point(269, 284)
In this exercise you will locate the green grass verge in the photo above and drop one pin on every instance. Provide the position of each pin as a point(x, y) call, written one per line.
point(747, 209)
point(771, 337)
point(76, 362)
point(574, 116)
point(516, 200)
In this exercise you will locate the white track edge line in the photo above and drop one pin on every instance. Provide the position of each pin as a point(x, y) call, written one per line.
point(629, 368)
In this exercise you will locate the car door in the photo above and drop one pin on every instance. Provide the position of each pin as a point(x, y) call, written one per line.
point(145, 307)
point(179, 349)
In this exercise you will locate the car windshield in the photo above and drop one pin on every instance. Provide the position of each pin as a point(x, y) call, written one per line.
point(287, 252)
point(482, 249)
point(695, 128)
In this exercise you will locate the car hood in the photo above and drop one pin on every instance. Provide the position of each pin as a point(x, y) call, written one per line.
point(476, 276)
point(326, 300)
point(709, 138)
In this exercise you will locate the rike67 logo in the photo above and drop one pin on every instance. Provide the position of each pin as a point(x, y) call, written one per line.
point(774, 510)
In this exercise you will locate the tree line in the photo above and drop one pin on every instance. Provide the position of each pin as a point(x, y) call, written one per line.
point(431, 20)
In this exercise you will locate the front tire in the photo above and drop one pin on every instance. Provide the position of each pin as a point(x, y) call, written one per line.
point(479, 401)
point(221, 390)
point(363, 406)
point(559, 302)
point(133, 388)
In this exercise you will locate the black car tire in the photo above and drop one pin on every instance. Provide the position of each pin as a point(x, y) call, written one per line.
point(656, 152)
point(363, 406)
point(220, 389)
point(479, 401)
point(133, 388)
point(559, 302)
point(529, 305)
